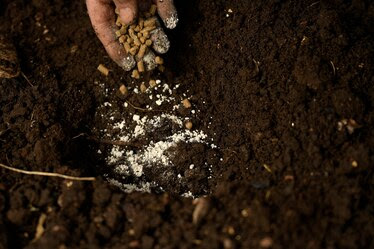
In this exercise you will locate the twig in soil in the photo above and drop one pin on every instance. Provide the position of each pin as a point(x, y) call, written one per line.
point(79, 135)
point(268, 169)
point(257, 63)
point(138, 108)
point(49, 174)
point(40, 227)
point(110, 142)
point(4, 131)
point(116, 142)
point(142, 109)
point(27, 79)
point(333, 67)
point(313, 4)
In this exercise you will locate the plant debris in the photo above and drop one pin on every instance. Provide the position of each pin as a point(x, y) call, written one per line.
point(9, 66)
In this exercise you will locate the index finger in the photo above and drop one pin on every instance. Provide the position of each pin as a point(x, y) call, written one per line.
point(167, 12)
point(102, 17)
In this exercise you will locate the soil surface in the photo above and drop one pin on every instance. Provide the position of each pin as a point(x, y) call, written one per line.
point(284, 90)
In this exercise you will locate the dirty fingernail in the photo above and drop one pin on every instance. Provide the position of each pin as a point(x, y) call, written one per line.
point(172, 21)
point(161, 43)
point(128, 63)
point(150, 61)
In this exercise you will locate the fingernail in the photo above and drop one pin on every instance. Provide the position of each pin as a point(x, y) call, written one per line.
point(172, 21)
point(127, 15)
point(161, 43)
point(149, 61)
point(128, 63)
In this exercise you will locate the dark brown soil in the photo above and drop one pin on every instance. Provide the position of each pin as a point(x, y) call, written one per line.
point(276, 79)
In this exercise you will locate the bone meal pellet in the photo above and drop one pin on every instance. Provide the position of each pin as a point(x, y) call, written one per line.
point(135, 74)
point(103, 69)
point(159, 60)
point(143, 88)
point(140, 66)
point(136, 39)
point(186, 103)
point(152, 83)
point(123, 89)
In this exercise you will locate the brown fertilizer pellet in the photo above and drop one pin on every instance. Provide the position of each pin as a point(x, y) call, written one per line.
point(136, 39)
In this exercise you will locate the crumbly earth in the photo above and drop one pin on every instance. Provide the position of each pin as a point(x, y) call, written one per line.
point(286, 85)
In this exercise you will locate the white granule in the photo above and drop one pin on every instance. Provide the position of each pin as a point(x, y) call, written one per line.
point(188, 195)
point(139, 130)
point(176, 107)
point(154, 153)
point(162, 98)
point(167, 88)
point(115, 154)
point(129, 188)
point(127, 162)
point(119, 125)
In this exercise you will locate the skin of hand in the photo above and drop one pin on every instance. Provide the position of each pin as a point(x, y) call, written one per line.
point(103, 18)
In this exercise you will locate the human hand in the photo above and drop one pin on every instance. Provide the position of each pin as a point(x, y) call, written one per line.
point(103, 18)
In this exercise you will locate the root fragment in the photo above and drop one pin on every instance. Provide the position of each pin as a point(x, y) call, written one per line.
point(49, 174)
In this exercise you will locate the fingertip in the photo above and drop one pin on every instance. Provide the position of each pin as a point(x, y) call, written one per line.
point(150, 60)
point(172, 21)
point(128, 10)
point(168, 13)
point(119, 55)
point(127, 63)
point(161, 43)
point(127, 15)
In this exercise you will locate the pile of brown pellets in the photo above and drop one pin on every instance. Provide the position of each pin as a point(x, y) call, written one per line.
point(136, 39)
